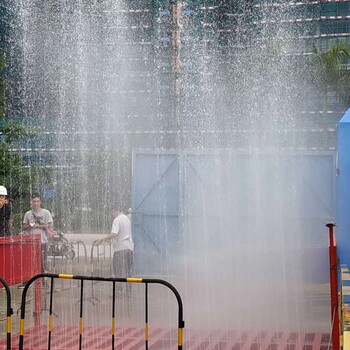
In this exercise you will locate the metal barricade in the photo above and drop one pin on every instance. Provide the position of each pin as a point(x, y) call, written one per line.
point(82, 279)
point(101, 259)
point(77, 245)
point(9, 313)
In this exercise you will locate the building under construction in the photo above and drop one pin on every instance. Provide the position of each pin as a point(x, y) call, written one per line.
point(100, 78)
point(164, 53)
point(216, 113)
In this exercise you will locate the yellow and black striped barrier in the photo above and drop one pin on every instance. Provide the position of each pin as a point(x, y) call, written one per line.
point(9, 313)
point(344, 307)
point(146, 281)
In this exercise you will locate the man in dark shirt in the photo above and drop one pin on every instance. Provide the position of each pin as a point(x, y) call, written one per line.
point(5, 213)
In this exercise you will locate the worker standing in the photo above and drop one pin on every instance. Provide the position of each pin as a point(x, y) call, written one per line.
point(5, 213)
point(123, 245)
point(38, 221)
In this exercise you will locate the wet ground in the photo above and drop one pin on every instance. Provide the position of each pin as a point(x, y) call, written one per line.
point(130, 320)
point(311, 306)
point(308, 308)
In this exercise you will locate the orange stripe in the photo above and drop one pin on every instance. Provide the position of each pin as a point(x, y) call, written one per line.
point(9, 324)
point(50, 323)
point(179, 338)
point(113, 325)
point(146, 331)
point(134, 279)
point(21, 327)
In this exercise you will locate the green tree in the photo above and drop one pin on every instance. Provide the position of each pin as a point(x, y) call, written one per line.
point(332, 73)
point(13, 174)
point(2, 84)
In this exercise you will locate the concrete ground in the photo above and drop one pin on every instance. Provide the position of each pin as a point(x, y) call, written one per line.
point(309, 308)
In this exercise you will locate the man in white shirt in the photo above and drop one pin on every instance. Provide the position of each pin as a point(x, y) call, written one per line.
point(123, 245)
point(38, 221)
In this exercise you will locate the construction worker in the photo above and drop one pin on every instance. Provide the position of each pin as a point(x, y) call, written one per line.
point(123, 245)
point(5, 213)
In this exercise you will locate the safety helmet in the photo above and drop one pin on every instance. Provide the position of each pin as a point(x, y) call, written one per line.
point(3, 191)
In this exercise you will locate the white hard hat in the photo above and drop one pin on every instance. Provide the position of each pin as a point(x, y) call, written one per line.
point(3, 191)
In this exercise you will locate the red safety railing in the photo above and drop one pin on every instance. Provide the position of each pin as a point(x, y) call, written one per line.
point(20, 258)
point(333, 275)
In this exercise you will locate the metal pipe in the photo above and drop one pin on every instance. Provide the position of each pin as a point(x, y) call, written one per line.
point(9, 313)
point(333, 275)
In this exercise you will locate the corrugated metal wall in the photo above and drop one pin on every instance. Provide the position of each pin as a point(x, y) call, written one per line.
point(172, 191)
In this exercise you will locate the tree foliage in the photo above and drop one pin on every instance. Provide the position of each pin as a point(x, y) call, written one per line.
point(332, 71)
point(13, 174)
point(3, 85)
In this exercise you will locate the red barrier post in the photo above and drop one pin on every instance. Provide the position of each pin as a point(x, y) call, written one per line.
point(20, 258)
point(333, 275)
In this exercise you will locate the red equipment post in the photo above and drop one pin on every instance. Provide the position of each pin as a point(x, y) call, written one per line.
point(20, 260)
point(333, 275)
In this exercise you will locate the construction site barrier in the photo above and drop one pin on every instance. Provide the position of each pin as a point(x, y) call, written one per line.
point(20, 257)
point(103, 254)
point(146, 281)
point(9, 313)
point(78, 244)
point(344, 307)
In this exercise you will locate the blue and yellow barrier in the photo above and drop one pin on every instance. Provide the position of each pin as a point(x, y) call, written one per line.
point(345, 307)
